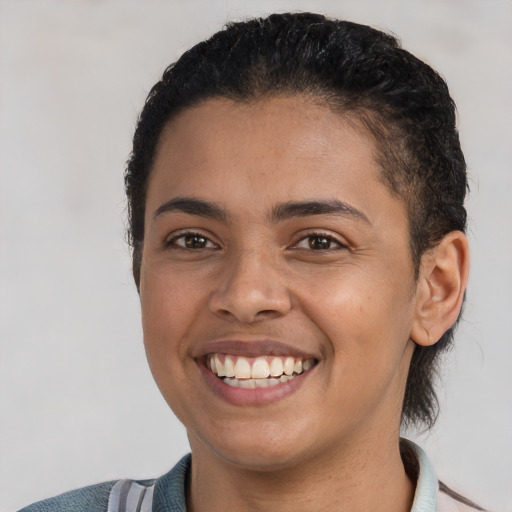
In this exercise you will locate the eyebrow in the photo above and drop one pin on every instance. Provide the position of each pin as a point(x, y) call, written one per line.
point(192, 206)
point(323, 207)
point(279, 213)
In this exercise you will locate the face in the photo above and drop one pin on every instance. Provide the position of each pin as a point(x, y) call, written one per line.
point(277, 285)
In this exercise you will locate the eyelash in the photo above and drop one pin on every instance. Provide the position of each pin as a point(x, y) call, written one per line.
point(190, 234)
point(324, 237)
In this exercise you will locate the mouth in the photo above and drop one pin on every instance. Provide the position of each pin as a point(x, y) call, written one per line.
point(257, 372)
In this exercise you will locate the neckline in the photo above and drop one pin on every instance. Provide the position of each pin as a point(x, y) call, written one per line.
point(170, 489)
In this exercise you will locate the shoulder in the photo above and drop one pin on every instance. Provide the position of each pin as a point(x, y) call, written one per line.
point(167, 491)
point(87, 499)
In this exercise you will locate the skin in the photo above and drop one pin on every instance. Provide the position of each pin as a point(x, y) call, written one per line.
point(337, 286)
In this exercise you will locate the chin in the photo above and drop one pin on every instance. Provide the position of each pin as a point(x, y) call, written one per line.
point(258, 448)
point(267, 460)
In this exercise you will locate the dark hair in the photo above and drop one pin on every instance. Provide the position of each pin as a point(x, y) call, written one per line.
point(358, 71)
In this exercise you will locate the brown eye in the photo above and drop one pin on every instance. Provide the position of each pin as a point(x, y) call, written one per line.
point(319, 243)
point(192, 241)
point(195, 241)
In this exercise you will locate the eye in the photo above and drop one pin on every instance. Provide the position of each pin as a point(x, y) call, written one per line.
point(191, 241)
point(318, 242)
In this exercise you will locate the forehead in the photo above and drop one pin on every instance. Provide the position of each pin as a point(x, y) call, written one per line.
point(273, 150)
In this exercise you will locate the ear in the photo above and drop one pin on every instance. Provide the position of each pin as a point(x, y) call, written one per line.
point(440, 288)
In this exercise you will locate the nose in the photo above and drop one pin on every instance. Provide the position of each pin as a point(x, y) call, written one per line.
point(251, 289)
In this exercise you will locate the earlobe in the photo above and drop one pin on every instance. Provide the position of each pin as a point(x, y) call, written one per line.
point(440, 288)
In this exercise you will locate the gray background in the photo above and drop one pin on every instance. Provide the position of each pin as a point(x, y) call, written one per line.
point(77, 402)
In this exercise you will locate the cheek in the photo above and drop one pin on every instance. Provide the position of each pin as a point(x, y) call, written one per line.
point(167, 297)
point(363, 314)
point(367, 332)
point(169, 306)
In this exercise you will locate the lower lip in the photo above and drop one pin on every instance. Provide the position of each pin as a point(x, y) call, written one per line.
point(258, 396)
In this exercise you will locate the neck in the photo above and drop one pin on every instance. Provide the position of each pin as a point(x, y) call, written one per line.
point(347, 479)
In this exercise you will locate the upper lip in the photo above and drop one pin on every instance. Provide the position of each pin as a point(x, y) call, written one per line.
point(251, 348)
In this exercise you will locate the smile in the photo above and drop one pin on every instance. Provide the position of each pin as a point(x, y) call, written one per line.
point(259, 372)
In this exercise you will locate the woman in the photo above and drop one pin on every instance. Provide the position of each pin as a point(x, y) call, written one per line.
point(295, 194)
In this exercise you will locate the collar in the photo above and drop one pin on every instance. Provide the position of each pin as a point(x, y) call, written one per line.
point(427, 485)
point(169, 493)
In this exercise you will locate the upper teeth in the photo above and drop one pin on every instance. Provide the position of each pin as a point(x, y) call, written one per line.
point(256, 368)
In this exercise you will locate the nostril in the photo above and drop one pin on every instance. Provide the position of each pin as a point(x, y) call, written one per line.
point(247, 316)
point(249, 300)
